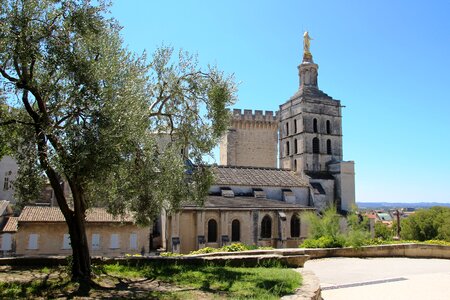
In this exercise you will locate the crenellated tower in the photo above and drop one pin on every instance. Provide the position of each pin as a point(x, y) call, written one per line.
point(251, 140)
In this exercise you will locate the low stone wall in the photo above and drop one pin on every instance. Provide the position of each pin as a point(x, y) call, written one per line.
point(292, 257)
point(397, 250)
point(241, 259)
point(310, 289)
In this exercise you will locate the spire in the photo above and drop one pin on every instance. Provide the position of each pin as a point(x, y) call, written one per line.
point(307, 70)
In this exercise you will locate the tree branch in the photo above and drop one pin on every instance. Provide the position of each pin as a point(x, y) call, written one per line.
point(7, 76)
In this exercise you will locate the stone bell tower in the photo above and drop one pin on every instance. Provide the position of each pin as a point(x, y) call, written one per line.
point(310, 136)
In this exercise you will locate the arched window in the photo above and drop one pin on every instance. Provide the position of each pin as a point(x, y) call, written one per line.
point(295, 226)
point(329, 147)
point(328, 127)
point(295, 126)
point(315, 125)
point(235, 231)
point(295, 146)
point(295, 165)
point(287, 148)
point(287, 129)
point(212, 231)
point(266, 227)
point(316, 146)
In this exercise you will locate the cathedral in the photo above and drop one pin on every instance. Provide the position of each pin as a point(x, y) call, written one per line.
point(274, 167)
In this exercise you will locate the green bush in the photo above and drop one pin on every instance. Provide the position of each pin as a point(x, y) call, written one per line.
point(204, 251)
point(384, 232)
point(357, 238)
point(235, 247)
point(324, 242)
point(427, 224)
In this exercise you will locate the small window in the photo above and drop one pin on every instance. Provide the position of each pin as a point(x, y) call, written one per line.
point(328, 127)
point(114, 241)
point(212, 231)
point(315, 125)
point(6, 184)
point(295, 126)
point(329, 147)
point(33, 241)
point(6, 242)
point(95, 241)
point(66, 241)
point(316, 146)
point(295, 165)
point(287, 148)
point(295, 146)
point(235, 231)
point(266, 227)
point(133, 241)
point(287, 129)
point(295, 226)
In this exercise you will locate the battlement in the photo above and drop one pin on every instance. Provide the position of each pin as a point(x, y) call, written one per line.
point(258, 115)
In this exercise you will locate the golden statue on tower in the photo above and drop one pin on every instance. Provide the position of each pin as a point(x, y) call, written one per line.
point(307, 56)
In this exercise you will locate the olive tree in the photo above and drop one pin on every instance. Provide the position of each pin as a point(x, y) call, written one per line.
point(82, 109)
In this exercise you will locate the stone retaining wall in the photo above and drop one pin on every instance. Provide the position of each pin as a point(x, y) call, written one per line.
point(397, 250)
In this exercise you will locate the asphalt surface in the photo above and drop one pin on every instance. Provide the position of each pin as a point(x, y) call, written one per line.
point(382, 278)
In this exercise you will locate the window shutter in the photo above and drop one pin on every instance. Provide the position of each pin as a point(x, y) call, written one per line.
point(133, 241)
point(6, 242)
point(66, 241)
point(33, 241)
point(114, 241)
point(95, 241)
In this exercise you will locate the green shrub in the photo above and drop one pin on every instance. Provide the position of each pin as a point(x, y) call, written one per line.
point(427, 224)
point(170, 254)
point(324, 242)
point(357, 238)
point(383, 231)
point(204, 251)
point(234, 247)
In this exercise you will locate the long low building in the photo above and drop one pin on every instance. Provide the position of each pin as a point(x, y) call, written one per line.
point(43, 231)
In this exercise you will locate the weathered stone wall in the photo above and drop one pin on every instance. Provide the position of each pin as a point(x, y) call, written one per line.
point(251, 140)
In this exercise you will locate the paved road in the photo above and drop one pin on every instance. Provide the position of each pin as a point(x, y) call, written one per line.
point(382, 278)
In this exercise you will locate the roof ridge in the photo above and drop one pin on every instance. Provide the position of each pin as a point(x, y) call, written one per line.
point(252, 167)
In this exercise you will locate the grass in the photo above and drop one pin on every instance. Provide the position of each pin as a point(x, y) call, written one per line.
point(236, 283)
point(180, 281)
point(42, 287)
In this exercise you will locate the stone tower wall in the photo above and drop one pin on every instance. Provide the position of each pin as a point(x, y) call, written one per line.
point(251, 140)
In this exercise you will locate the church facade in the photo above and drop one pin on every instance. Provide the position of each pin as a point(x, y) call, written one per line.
point(274, 167)
point(307, 130)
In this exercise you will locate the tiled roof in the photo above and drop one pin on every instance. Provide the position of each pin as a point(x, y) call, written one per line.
point(11, 225)
point(54, 214)
point(252, 176)
point(3, 205)
point(216, 202)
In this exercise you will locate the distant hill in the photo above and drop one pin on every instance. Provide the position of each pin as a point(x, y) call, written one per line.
point(387, 205)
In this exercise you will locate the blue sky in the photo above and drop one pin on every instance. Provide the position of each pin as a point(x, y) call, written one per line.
point(387, 61)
